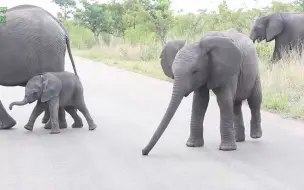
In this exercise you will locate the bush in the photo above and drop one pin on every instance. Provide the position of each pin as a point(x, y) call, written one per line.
point(80, 37)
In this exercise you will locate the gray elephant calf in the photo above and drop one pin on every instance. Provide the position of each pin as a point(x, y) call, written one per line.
point(225, 62)
point(59, 91)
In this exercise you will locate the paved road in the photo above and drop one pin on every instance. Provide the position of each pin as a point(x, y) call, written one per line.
point(127, 108)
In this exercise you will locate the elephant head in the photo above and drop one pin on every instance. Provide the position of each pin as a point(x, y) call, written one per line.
point(266, 27)
point(209, 63)
point(168, 54)
point(43, 87)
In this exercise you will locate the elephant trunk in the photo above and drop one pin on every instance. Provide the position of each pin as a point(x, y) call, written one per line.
point(18, 103)
point(252, 36)
point(175, 101)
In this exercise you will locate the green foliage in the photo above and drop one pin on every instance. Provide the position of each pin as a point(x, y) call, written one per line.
point(81, 37)
point(66, 6)
point(162, 18)
point(141, 22)
point(94, 16)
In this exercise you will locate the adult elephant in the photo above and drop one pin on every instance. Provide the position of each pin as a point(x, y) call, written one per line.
point(285, 28)
point(225, 62)
point(32, 41)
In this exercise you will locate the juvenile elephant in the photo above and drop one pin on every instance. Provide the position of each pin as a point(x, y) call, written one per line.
point(225, 62)
point(56, 91)
point(32, 41)
point(285, 28)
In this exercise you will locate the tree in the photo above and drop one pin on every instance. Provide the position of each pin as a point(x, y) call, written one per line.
point(117, 11)
point(94, 16)
point(66, 6)
point(300, 5)
point(60, 17)
point(161, 17)
point(278, 6)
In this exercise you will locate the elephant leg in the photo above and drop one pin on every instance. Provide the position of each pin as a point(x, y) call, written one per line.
point(225, 101)
point(254, 102)
point(6, 121)
point(62, 121)
point(199, 107)
point(54, 109)
point(77, 120)
point(84, 110)
point(46, 116)
point(38, 109)
point(239, 126)
point(276, 55)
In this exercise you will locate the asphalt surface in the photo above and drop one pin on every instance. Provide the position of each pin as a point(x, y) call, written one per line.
point(127, 108)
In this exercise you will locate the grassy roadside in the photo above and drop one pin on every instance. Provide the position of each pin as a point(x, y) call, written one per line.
point(282, 83)
point(150, 68)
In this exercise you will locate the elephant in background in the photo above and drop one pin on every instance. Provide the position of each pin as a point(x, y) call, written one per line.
point(32, 41)
point(225, 62)
point(285, 28)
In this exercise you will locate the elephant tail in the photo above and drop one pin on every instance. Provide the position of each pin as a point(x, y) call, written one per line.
point(70, 54)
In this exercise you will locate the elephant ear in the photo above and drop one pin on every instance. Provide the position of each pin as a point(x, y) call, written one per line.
point(224, 59)
point(274, 26)
point(51, 87)
point(168, 54)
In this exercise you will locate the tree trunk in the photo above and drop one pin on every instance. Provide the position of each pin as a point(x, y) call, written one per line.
point(96, 35)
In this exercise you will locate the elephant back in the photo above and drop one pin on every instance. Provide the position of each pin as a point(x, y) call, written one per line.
point(32, 41)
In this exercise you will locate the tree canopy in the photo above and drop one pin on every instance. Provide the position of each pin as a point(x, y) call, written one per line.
point(153, 21)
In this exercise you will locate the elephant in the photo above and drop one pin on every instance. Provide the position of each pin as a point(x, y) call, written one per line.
point(32, 41)
point(285, 28)
point(225, 62)
point(57, 91)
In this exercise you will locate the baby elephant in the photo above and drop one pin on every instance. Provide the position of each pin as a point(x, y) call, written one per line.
point(59, 91)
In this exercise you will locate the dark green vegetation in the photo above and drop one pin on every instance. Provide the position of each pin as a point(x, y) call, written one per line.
point(129, 34)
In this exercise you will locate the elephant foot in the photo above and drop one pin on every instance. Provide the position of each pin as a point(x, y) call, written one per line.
point(77, 125)
point(195, 142)
point(8, 125)
point(256, 133)
point(228, 146)
point(28, 127)
point(55, 130)
point(45, 120)
point(239, 134)
point(92, 127)
point(63, 126)
point(48, 125)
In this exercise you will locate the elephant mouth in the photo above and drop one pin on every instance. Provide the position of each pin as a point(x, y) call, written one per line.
point(187, 94)
point(31, 101)
point(259, 39)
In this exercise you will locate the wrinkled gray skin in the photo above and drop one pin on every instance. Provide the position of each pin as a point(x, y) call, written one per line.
point(31, 42)
point(56, 91)
point(285, 28)
point(227, 63)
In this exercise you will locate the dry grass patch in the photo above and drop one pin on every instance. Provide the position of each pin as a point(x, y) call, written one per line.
point(283, 85)
point(130, 59)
